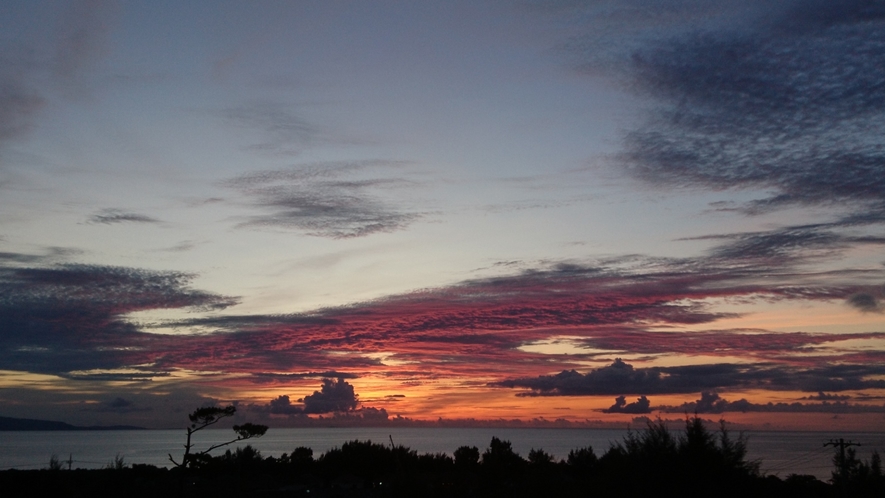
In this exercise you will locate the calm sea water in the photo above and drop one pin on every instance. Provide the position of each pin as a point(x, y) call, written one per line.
point(781, 453)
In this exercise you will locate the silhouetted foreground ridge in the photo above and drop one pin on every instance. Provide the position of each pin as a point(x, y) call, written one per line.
point(696, 462)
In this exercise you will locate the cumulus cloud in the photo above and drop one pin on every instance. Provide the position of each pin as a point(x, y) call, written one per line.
point(335, 200)
point(640, 406)
point(281, 405)
point(333, 396)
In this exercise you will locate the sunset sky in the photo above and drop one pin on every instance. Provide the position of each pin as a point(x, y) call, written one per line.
point(494, 210)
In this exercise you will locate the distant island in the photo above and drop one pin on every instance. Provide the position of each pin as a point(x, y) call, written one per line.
point(27, 424)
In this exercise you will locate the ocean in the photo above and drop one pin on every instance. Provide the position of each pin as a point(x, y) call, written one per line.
point(780, 453)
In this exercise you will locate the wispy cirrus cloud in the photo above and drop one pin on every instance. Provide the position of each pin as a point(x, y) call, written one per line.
point(113, 216)
point(282, 130)
point(711, 402)
point(20, 100)
point(334, 200)
point(76, 318)
point(622, 378)
point(62, 318)
point(79, 41)
point(792, 104)
point(482, 326)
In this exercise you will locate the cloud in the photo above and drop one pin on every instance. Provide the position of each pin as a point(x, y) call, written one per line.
point(281, 405)
point(822, 396)
point(488, 327)
point(711, 402)
point(112, 216)
point(325, 199)
point(793, 105)
point(264, 377)
point(71, 320)
point(79, 42)
point(66, 317)
point(640, 406)
point(786, 245)
point(82, 36)
point(762, 345)
point(120, 405)
point(867, 302)
point(333, 396)
point(20, 101)
point(282, 131)
point(620, 377)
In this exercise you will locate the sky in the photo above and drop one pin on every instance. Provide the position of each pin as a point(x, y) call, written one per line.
point(545, 212)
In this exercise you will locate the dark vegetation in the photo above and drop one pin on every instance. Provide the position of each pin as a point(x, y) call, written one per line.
point(696, 462)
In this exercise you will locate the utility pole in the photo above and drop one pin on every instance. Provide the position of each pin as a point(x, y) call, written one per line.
point(843, 463)
point(70, 460)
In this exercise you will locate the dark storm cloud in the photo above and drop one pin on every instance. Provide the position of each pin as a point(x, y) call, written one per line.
point(794, 105)
point(640, 406)
point(620, 377)
point(67, 317)
point(332, 200)
point(112, 216)
point(711, 402)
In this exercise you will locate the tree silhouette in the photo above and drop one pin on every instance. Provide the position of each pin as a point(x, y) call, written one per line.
point(467, 457)
point(206, 417)
point(500, 457)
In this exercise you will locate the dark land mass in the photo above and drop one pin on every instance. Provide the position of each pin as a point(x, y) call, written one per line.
point(27, 424)
point(653, 462)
